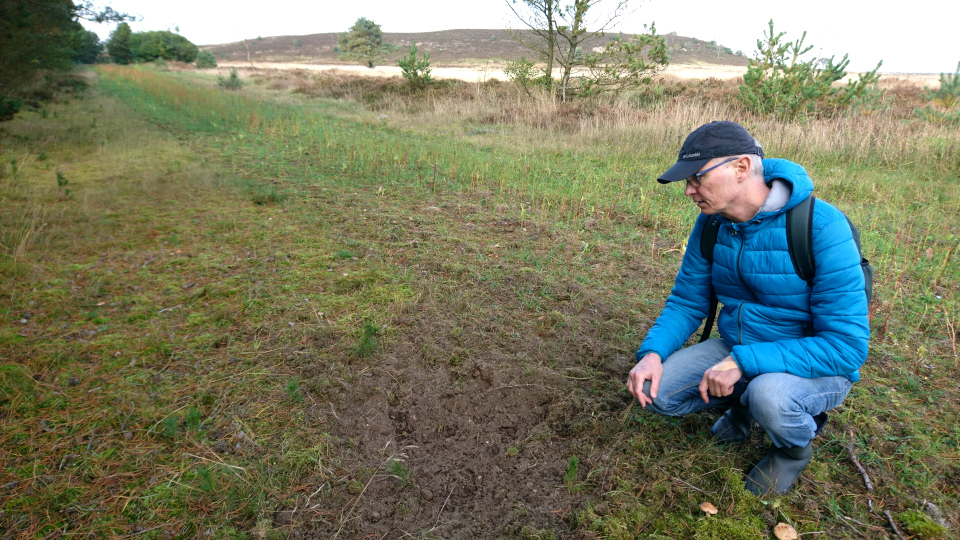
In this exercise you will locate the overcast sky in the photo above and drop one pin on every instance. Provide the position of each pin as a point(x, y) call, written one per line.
point(919, 36)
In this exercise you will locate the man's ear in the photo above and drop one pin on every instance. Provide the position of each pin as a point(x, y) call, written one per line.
point(742, 168)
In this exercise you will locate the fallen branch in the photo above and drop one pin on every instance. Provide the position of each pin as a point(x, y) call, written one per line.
point(893, 525)
point(853, 457)
point(866, 480)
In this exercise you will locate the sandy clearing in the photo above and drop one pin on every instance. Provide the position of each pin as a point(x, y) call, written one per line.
point(482, 74)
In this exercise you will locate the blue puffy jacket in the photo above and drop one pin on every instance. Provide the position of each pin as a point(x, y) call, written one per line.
point(773, 320)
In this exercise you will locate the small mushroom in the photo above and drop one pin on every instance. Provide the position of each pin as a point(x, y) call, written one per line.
point(708, 508)
point(785, 532)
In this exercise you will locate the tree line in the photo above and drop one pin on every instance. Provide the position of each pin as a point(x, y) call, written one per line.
point(40, 38)
point(555, 32)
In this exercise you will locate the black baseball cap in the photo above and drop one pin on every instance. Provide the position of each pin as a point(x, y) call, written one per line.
point(713, 140)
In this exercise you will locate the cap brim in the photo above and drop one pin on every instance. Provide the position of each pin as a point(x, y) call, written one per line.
point(682, 170)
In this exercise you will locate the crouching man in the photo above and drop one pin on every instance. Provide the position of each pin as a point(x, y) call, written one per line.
point(790, 349)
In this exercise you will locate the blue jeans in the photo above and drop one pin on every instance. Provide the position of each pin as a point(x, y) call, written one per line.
point(784, 405)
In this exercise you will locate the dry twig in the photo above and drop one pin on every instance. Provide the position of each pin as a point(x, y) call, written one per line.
point(856, 462)
point(893, 525)
point(866, 480)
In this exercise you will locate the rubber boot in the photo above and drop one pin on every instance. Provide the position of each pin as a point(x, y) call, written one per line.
point(734, 426)
point(820, 420)
point(779, 470)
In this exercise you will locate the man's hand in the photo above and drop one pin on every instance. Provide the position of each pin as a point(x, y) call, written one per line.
point(650, 368)
point(719, 379)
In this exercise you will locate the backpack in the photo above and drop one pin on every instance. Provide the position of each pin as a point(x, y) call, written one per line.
point(799, 244)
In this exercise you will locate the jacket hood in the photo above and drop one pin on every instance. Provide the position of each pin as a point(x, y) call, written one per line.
point(800, 182)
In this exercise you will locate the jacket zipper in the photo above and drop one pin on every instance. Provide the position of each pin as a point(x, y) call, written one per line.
point(742, 282)
point(740, 277)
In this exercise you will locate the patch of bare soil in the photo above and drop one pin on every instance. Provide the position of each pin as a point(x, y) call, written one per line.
point(465, 423)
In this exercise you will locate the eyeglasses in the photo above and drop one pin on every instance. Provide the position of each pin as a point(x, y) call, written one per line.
point(695, 179)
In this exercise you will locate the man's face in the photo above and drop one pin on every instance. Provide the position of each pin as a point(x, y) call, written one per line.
point(715, 187)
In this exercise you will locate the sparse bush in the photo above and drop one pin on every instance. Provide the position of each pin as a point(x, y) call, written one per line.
point(206, 60)
point(523, 73)
point(948, 95)
point(625, 63)
point(297, 43)
point(232, 82)
point(416, 70)
point(781, 84)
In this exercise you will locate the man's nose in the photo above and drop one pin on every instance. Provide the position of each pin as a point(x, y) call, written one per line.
point(689, 190)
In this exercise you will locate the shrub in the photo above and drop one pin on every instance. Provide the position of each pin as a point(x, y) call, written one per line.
point(948, 94)
point(625, 64)
point(232, 82)
point(9, 106)
point(523, 73)
point(206, 60)
point(781, 84)
point(416, 70)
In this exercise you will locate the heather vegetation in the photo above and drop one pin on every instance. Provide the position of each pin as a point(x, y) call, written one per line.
point(324, 306)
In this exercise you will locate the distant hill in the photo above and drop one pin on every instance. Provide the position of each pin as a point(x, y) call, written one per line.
point(450, 47)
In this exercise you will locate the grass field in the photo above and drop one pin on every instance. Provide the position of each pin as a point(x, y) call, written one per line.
point(274, 314)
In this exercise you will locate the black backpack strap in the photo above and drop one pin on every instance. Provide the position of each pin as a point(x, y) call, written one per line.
point(864, 262)
point(708, 239)
point(711, 315)
point(800, 239)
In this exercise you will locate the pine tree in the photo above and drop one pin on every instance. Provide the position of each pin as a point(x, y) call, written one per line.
point(37, 36)
point(119, 45)
point(781, 83)
point(87, 48)
point(363, 43)
point(416, 70)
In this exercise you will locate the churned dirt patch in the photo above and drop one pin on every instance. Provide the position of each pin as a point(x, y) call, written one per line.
point(477, 416)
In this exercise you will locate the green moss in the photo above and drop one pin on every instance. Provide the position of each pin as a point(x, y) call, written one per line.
point(921, 525)
point(732, 528)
